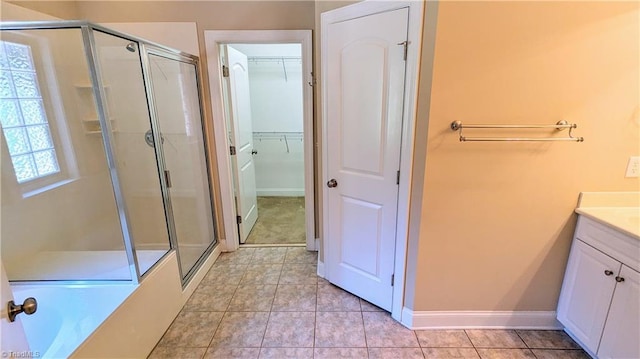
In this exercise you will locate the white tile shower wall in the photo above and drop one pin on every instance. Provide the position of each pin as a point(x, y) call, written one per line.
point(78, 215)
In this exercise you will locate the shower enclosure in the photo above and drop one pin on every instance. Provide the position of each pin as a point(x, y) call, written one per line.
point(104, 162)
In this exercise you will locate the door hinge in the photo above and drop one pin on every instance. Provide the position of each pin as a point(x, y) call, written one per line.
point(406, 48)
point(239, 219)
point(167, 178)
point(232, 150)
point(398, 178)
point(225, 71)
point(393, 277)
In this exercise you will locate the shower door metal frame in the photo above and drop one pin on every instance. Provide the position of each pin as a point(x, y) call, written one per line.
point(101, 109)
point(191, 60)
point(145, 48)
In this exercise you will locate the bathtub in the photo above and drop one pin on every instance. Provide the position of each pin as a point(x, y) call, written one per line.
point(67, 314)
point(112, 320)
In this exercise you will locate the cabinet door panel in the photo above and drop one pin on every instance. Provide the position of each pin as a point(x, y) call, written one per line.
point(621, 333)
point(586, 293)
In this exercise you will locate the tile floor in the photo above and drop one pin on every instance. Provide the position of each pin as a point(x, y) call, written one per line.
point(269, 303)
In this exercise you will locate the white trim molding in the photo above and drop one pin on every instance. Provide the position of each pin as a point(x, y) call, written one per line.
point(479, 319)
point(213, 40)
point(320, 271)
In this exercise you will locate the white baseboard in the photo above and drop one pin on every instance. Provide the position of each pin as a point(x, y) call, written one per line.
point(280, 192)
point(320, 269)
point(223, 245)
point(479, 319)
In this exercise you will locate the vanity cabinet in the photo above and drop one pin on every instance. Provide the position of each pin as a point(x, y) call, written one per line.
point(621, 334)
point(601, 290)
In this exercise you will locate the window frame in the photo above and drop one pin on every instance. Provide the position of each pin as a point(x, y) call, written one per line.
point(43, 61)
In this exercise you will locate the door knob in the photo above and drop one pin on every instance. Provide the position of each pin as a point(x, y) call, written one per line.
point(29, 306)
point(332, 183)
point(608, 272)
point(254, 152)
point(619, 279)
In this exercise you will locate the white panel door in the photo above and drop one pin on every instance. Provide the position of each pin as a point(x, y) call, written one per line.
point(12, 336)
point(365, 92)
point(621, 333)
point(242, 137)
point(586, 293)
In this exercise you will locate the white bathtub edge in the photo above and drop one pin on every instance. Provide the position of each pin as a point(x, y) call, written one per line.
point(133, 330)
point(141, 320)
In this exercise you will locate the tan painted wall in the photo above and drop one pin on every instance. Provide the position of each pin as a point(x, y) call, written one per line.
point(59, 9)
point(497, 218)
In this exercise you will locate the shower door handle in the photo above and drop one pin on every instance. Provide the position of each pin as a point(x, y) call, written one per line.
point(28, 307)
point(167, 178)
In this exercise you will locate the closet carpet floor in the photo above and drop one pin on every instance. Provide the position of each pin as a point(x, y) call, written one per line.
point(280, 221)
point(269, 303)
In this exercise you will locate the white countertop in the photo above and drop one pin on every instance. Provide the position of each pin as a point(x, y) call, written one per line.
point(618, 210)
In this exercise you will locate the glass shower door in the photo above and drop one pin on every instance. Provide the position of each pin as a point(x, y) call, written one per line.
point(129, 121)
point(177, 106)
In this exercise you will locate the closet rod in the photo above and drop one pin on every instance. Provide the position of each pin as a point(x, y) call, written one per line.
point(274, 133)
point(274, 58)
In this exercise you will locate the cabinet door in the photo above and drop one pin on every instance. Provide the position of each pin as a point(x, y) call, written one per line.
point(621, 333)
point(586, 293)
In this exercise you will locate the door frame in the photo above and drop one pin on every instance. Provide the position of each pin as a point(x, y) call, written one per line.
point(414, 35)
point(213, 40)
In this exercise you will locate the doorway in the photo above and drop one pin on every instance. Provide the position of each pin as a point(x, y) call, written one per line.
point(261, 87)
point(266, 80)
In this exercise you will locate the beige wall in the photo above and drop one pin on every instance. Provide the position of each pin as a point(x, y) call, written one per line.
point(497, 218)
point(60, 9)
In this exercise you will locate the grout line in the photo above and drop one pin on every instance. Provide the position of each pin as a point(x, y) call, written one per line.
point(526, 344)
point(364, 330)
point(265, 332)
point(472, 344)
point(416, 336)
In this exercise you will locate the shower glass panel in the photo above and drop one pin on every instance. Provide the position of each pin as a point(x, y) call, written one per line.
point(175, 92)
point(129, 121)
point(59, 216)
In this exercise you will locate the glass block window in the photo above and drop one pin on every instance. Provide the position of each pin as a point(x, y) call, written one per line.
point(24, 121)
